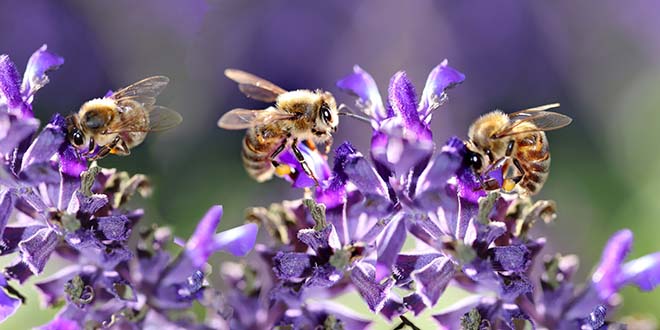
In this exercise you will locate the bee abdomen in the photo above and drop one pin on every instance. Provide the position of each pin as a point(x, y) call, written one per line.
point(256, 158)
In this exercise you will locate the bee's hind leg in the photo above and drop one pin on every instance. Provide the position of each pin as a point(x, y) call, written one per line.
point(303, 163)
point(280, 169)
point(510, 183)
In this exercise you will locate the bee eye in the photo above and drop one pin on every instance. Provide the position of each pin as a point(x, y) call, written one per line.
point(325, 115)
point(474, 160)
point(77, 138)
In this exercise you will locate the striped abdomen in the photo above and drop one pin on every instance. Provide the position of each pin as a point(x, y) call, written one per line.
point(258, 145)
point(533, 154)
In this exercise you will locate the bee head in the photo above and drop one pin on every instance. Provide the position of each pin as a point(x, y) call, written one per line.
point(328, 118)
point(75, 133)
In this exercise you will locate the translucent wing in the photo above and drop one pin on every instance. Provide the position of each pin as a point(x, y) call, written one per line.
point(529, 111)
point(162, 118)
point(139, 112)
point(245, 118)
point(541, 120)
point(144, 91)
point(255, 87)
point(153, 119)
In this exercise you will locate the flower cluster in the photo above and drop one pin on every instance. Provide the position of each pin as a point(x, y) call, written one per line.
point(397, 228)
point(351, 236)
point(52, 203)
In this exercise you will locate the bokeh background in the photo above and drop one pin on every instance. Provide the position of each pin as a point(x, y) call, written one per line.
point(600, 60)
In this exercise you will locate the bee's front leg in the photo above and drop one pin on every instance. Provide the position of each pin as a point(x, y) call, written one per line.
point(303, 163)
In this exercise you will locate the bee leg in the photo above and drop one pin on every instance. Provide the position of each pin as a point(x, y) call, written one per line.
point(489, 184)
point(120, 148)
point(279, 168)
point(510, 183)
point(303, 163)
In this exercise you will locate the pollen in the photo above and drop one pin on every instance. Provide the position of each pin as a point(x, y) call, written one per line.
point(508, 185)
point(283, 169)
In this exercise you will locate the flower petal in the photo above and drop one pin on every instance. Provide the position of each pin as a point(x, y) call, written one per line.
point(40, 63)
point(7, 201)
point(325, 239)
point(237, 241)
point(291, 265)
point(407, 263)
point(36, 250)
point(199, 246)
point(644, 272)
point(432, 280)
point(362, 85)
point(46, 144)
point(388, 246)
point(8, 304)
point(14, 130)
point(374, 293)
point(514, 258)
point(441, 78)
point(10, 89)
point(606, 277)
point(403, 101)
point(114, 227)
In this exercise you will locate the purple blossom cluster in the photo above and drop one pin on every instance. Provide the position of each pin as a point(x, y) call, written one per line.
point(397, 228)
point(350, 236)
point(53, 203)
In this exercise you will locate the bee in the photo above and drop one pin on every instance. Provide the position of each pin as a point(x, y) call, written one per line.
point(300, 115)
point(517, 143)
point(119, 122)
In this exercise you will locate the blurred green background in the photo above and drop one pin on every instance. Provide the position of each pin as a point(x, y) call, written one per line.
point(601, 61)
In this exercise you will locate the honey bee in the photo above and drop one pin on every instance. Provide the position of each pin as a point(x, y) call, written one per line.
point(119, 122)
point(517, 143)
point(300, 115)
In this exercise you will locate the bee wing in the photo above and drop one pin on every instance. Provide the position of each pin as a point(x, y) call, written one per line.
point(143, 91)
point(245, 118)
point(160, 119)
point(255, 87)
point(542, 120)
point(529, 111)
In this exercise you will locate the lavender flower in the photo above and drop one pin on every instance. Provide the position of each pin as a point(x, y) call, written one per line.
point(51, 202)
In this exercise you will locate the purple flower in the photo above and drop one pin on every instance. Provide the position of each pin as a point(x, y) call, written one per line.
point(16, 96)
point(612, 273)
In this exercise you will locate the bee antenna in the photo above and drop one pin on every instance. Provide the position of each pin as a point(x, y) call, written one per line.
point(349, 113)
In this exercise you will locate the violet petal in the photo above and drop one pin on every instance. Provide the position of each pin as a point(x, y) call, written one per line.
point(606, 277)
point(291, 265)
point(362, 85)
point(7, 201)
point(388, 246)
point(515, 258)
point(114, 228)
point(644, 272)
point(10, 89)
point(44, 146)
point(8, 304)
point(39, 64)
point(375, 294)
point(36, 250)
point(441, 78)
point(13, 131)
point(403, 100)
point(432, 280)
point(406, 263)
